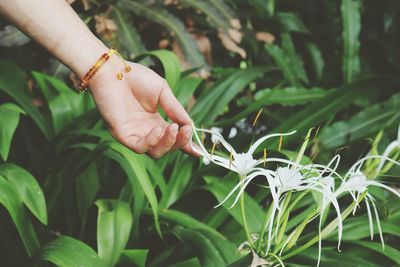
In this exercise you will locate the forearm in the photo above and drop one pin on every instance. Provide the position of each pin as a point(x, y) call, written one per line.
point(56, 26)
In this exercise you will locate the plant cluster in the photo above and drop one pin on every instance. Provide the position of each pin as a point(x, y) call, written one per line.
point(70, 194)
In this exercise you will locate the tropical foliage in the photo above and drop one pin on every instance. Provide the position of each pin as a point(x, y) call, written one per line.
point(72, 196)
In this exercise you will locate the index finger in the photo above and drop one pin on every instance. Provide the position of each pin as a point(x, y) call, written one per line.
point(172, 107)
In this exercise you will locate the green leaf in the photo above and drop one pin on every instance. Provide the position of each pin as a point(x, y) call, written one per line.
point(170, 63)
point(202, 246)
point(180, 177)
point(9, 198)
point(351, 19)
point(185, 89)
point(317, 59)
point(137, 257)
point(221, 188)
point(282, 61)
point(127, 34)
point(193, 262)
point(87, 187)
point(27, 189)
point(114, 225)
point(217, 19)
point(225, 11)
point(288, 61)
point(170, 23)
point(9, 119)
point(291, 22)
point(389, 251)
point(295, 61)
point(66, 252)
point(291, 96)
point(314, 114)
point(13, 83)
point(11, 36)
point(137, 165)
point(365, 123)
point(226, 249)
point(209, 106)
point(64, 103)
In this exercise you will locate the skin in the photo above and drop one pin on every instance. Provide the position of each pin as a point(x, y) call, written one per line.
point(128, 106)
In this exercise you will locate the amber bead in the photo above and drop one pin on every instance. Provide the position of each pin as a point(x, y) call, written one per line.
point(128, 68)
point(119, 76)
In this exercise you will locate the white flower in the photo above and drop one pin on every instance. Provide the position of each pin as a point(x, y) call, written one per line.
point(215, 132)
point(232, 133)
point(241, 163)
point(357, 183)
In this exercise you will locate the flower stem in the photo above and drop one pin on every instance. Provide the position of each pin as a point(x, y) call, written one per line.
point(244, 220)
point(264, 226)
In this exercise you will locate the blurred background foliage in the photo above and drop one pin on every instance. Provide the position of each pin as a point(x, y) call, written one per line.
point(70, 194)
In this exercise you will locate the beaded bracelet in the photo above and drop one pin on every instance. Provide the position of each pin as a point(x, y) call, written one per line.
point(83, 85)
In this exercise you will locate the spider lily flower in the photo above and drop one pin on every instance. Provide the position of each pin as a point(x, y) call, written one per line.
point(241, 163)
point(357, 183)
point(291, 179)
point(286, 179)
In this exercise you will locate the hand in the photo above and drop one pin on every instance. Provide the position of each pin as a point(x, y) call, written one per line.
point(129, 107)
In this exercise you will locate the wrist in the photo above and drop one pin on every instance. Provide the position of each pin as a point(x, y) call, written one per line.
point(79, 54)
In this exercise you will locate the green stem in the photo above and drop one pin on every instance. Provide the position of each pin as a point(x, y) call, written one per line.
point(244, 220)
point(264, 226)
point(326, 231)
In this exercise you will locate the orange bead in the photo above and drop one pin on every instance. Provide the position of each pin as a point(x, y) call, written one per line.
point(119, 76)
point(128, 68)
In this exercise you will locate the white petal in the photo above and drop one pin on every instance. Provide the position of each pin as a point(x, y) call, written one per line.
point(379, 224)
point(262, 139)
point(232, 133)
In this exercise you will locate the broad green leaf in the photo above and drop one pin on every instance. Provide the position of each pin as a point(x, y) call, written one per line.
point(193, 262)
point(390, 252)
point(135, 192)
point(64, 103)
point(209, 106)
point(114, 225)
point(9, 198)
point(9, 119)
point(180, 177)
point(142, 176)
point(351, 19)
point(13, 83)
point(66, 252)
point(87, 187)
point(365, 123)
point(320, 111)
point(186, 88)
point(137, 257)
point(170, 63)
point(221, 188)
point(203, 247)
point(27, 189)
